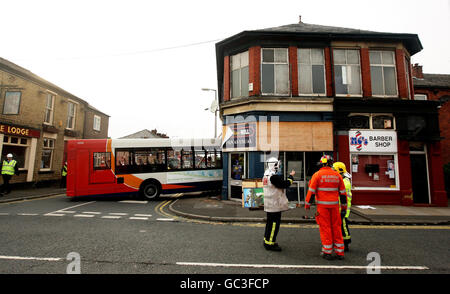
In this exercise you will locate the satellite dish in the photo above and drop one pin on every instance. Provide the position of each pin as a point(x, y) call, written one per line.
point(214, 106)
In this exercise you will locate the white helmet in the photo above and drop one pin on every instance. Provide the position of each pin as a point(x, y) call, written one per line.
point(9, 155)
point(273, 164)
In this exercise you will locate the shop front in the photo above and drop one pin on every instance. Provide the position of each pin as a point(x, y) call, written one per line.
point(21, 142)
point(249, 142)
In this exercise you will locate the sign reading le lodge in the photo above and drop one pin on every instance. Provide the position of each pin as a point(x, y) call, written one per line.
point(19, 131)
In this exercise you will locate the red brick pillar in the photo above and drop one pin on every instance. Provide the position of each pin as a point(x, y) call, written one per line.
point(404, 169)
point(329, 72)
point(293, 67)
point(254, 70)
point(436, 175)
point(226, 78)
point(401, 74)
point(365, 73)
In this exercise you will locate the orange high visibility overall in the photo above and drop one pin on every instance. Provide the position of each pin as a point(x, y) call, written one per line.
point(327, 185)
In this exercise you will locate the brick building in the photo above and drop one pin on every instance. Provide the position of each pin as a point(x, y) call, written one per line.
point(37, 118)
point(301, 90)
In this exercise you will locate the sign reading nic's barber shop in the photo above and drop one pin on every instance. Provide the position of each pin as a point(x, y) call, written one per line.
point(373, 141)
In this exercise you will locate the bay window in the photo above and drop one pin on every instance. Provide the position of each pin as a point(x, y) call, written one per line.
point(275, 71)
point(347, 72)
point(382, 73)
point(239, 75)
point(311, 71)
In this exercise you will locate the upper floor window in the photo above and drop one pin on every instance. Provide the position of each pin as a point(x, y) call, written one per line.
point(275, 71)
point(311, 71)
point(371, 121)
point(382, 73)
point(239, 75)
point(347, 72)
point(48, 118)
point(71, 112)
point(12, 103)
point(97, 122)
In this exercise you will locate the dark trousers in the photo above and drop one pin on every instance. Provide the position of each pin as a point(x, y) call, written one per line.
point(345, 232)
point(6, 187)
point(272, 227)
point(63, 182)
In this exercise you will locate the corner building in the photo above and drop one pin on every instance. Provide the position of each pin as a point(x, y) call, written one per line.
point(299, 90)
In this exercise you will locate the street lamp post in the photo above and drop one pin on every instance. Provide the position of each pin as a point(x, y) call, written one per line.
point(215, 109)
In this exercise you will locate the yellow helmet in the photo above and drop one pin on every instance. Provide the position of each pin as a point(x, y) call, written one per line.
point(339, 167)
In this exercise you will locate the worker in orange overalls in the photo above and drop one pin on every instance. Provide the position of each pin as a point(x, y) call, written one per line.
point(328, 187)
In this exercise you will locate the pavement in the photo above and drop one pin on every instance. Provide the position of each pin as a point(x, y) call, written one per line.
point(211, 208)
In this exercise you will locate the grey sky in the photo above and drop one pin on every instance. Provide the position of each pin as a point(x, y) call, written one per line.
point(144, 62)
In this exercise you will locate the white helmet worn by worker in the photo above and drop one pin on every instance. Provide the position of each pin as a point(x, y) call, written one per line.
point(273, 164)
point(9, 155)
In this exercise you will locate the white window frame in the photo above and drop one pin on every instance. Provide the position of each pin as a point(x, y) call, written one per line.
point(349, 64)
point(397, 177)
point(274, 74)
point(310, 64)
point(26, 146)
point(18, 104)
point(237, 63)
point(49, 109)
point(75, 104)
point(371, 116)
point(383, 65)
point(50, 139)
point(97, 123)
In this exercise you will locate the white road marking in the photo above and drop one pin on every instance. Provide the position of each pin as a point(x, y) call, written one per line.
point(143, 215)
point(133, 201)
point(27, 214)
point(118, 213)
point(111, 216)
point(301, 266)
point(64, 209)
point(165, 219)
point(31, 258)
point(3, 213)
point(91, 212)
point(54, 214)
point(84, 215)
point(139, 218)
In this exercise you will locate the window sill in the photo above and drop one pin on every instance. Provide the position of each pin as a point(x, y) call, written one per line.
point(46, 171)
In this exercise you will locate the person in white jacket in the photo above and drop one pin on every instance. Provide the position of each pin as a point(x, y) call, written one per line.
point(275, 201)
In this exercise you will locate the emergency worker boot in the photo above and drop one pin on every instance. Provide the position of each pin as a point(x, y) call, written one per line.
point(274, 247)
point(326, 256)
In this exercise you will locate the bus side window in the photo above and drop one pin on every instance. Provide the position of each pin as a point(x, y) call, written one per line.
point(122, 162)
point(200, 159)
point(173, 159)
point(102, 160)
point(218, 159)
point(188, 160)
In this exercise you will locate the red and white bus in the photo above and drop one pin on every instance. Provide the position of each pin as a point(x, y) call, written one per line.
point(145, 167)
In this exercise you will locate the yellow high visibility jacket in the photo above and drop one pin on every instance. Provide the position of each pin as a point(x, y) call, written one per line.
point(348, 189)
point(8, 167)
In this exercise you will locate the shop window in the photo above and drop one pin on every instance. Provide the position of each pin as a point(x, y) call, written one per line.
point(47, 153)
point(373, 171)
point(239, 75)
point(347, 72)
point(382, 73)
point(275, 71)
point(48, 117)
point(382, 122)
point(359, 122)
point(311, 71)
point(18, 147)
point(12, 103)
point(102, 160)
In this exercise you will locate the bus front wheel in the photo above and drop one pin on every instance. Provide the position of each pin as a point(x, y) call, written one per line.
point(150, 190)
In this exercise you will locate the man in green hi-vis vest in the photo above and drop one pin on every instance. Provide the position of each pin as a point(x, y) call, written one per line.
point(9, 168)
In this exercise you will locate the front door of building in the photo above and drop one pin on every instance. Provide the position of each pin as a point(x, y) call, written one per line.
point(237, 165)
point(419, 173)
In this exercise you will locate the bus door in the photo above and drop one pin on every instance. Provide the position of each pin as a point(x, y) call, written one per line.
point(100, 168)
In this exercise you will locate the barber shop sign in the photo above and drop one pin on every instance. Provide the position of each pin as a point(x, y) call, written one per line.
point(372, 141)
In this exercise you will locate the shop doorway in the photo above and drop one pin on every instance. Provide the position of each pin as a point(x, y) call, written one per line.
point(419, 174)
point(237, 166)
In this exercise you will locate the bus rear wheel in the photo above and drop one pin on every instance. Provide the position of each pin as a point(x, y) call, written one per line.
point(150, 190)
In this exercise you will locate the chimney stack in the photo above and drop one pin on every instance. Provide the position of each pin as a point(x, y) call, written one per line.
point(299, 19)
point(417, 71)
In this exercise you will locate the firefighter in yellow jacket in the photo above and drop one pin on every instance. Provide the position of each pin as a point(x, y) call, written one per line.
point(345, 213)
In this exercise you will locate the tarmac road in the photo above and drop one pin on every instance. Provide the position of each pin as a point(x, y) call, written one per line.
point(125, 236)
